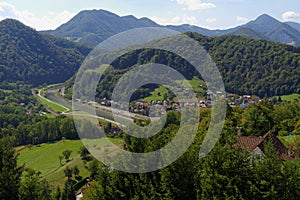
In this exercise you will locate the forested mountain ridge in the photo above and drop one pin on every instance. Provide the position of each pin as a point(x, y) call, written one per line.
point(247, 66)
point(34, 58)
point(247, 32)
point(94, 26)
point(253, 66)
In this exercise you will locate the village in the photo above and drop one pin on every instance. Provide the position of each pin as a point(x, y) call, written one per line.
point(160, 107)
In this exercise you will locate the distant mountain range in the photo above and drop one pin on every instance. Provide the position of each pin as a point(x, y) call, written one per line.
point(35, 58)
point(91, 27)
point(294, 25)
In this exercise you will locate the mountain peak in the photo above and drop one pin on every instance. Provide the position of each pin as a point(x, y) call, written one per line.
point(93, 26)
point(265, 18)
point(10, 22)
point(129, 17)
point(16, 27)
point(264, 24)
point(97, 13)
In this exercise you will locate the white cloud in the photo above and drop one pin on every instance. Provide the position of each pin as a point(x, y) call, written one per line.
point(291, 16)
point(7, 10)
point(160, 20)
point(46, 22)
point(178, 20)
point(51, 21)
point(184, 20)
point(195, 4)
point(211, 20)
point(241, 19)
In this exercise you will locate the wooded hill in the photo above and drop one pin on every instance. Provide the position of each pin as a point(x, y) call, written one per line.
point(247, 66)
point(34, 58)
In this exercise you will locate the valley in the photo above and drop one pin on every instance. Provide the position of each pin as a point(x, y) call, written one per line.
point(47, 138)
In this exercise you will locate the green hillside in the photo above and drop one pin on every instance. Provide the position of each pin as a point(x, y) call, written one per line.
point(247, 66)
point(44, 158)
point(290, 98)
point(34, 58)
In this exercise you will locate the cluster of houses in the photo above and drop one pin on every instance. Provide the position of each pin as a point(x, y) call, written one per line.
point(242, 101)
point(156, 108)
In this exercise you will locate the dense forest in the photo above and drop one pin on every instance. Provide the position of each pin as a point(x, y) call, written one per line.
point(254, 67)
point(224, 174)
point(21, 118)
point(34, 58)
point(247, 66)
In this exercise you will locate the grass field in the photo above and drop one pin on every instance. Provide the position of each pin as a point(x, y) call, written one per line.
point(55, 107)
point(52, 106)
point(158, 93)
point(44, 158)
point(50, 116)
point(286, 140)
point(6, 91)
point(195, 82)
point(290, 98)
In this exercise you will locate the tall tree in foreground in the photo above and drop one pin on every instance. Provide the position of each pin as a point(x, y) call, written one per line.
point(69, 192)
point(10, 173)
point(226, 174)
point(33, 187)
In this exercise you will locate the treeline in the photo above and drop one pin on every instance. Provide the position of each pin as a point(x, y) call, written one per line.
point(282, 118)
point(21, 118)
point(46, 130)
point(247, 66)
point(223, 174)
point(254, 67)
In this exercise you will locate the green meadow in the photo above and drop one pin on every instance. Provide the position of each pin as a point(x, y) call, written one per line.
point(44, 158)
point(290, 98)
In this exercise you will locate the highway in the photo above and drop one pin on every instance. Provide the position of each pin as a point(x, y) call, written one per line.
point(102, 112)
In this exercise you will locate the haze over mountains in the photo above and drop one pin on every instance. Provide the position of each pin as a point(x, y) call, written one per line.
point(91, 27)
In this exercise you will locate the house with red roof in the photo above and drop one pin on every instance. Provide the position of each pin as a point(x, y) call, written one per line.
point(256, 146)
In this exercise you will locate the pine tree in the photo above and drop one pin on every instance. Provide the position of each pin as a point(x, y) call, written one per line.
point(69, 192)
point(10, 173)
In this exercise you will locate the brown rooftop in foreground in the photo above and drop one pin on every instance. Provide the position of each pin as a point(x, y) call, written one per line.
point(252, 143)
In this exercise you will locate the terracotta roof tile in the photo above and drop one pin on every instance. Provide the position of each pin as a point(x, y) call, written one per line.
point(248, 143)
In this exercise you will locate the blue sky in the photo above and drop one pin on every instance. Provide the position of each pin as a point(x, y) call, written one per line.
point(213, 14)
